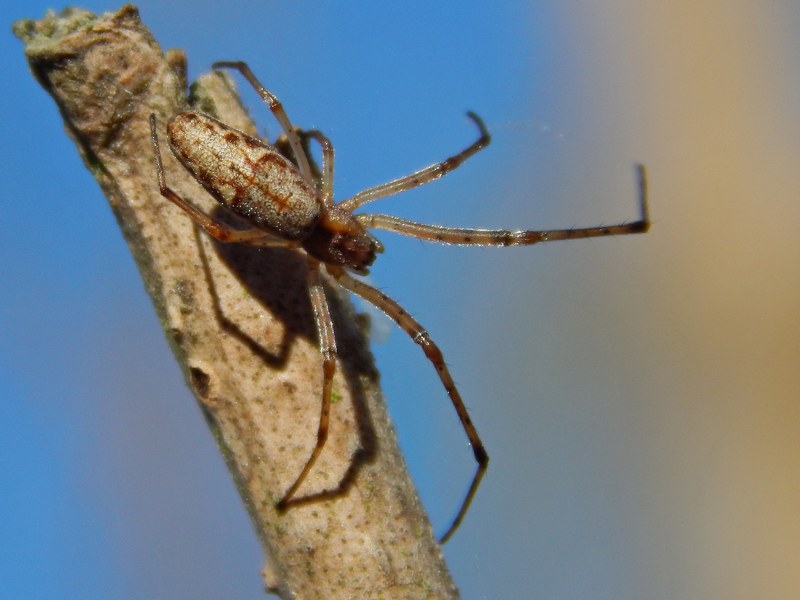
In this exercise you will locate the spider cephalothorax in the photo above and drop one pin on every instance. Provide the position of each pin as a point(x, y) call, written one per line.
point(339, 239)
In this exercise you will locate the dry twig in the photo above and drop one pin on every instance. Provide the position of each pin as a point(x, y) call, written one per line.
point(238, 320)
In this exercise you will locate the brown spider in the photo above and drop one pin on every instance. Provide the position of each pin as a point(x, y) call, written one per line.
point(287, 207)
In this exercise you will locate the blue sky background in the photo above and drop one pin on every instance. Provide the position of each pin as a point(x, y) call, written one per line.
point(640, 397)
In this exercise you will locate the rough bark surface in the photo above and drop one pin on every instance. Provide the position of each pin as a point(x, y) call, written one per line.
point(239, 322)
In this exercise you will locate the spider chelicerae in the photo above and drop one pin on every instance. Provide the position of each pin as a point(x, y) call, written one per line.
point(290, 206)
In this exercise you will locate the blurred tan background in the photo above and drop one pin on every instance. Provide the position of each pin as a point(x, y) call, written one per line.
point(679, 349)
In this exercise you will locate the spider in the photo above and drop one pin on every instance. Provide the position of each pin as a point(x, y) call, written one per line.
point(289, 206)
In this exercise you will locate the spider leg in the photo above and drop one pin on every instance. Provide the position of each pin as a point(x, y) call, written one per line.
point(326, 183)
point(423, 176)
point(217, 229)
point(418, 334)
point(277, 109)
point(327, 347)
point(502, 237)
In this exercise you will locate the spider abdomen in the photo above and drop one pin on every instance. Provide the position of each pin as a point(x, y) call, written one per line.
point(245, 175)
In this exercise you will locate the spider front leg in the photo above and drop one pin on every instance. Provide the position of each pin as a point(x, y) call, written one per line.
point(418, 334)
point(327, 347)
point(504, 237)
point(423, 176)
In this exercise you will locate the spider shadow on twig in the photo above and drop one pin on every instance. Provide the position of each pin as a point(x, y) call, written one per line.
point(276, 279)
